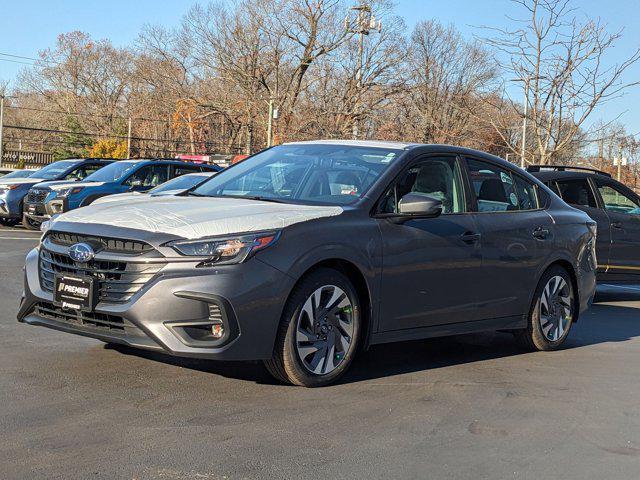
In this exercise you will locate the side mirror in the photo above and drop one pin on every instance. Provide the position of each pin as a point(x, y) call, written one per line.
point(418, 205)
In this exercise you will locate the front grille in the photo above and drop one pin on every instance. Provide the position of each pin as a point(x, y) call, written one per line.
point(118, 281)
point(113, 245)
point(92, 320)
point(37, 195)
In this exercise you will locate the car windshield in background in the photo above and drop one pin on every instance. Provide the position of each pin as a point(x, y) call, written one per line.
point(54, 170)
point(20, 174)
point(304, 173)
point(112, 172)
point(180, 183)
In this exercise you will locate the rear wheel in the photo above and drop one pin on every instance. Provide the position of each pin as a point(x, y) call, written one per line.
point(319, 331)
point(8, 222)
point(552, 312)
point(30, 224)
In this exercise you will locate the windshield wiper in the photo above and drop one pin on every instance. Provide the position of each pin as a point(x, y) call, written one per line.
point(251, 197)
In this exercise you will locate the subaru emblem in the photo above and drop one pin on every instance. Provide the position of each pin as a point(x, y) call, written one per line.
point(81, 252)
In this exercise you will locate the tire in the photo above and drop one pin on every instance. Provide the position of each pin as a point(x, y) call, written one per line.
point(551, 316)
point(30, 224)
point(319, 330)
point(8, 222)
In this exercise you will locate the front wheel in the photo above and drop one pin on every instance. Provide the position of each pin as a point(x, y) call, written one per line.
point(319, 330)
point(552, 312)
point(30, 224)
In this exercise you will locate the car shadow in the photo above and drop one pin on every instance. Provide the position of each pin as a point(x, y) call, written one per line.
point(601, 324)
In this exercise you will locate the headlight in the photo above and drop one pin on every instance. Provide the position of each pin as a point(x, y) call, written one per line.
point(225, 250)
point(4, 188)
point(65, 192)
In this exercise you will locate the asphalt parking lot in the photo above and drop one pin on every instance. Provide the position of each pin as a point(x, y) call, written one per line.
point(466, 407)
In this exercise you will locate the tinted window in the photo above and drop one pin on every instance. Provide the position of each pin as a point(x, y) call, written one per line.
point(493, 186)
point(438, 178)
point(19, 174)
point(112, 172)
point(149, 176)
point(54, 170)
point(184, 169)
point(554, 186)
point(82, 172)
point(526, 192)
point(305, 173)
point(179, 183)
point(577, 192)
point(616, 201)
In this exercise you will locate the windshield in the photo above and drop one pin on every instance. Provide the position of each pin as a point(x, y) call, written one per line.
point(180, 183)
point(303, 173)
point(20, 174)
point(112, 172)
point(54, 170)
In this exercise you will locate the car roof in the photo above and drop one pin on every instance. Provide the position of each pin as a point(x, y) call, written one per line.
point(547, 175)
point(360, 143)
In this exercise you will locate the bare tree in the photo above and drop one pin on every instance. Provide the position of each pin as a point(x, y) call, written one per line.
point(561, 63)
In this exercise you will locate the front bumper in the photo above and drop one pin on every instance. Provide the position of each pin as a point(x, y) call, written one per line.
point(44, 211)
point(10, 207)
point(249, 296)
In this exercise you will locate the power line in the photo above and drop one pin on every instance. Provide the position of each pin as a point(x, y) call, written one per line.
point(122, 137)
point(88, 115)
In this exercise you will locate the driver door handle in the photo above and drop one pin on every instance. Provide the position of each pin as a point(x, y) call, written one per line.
point(470, 238)
point(616, 224)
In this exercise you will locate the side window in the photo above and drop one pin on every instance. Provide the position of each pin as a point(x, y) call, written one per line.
point(180, 170)
point(494, 187)
point(89, 169)
point(554, 187)
point(148, 176)
point(577, 192)
point(616, 201)
point(526, 192)
point(438, 178)
point(83, 171)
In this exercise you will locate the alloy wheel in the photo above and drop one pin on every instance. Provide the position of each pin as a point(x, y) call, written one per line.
point(556, 308)
point(324, 329)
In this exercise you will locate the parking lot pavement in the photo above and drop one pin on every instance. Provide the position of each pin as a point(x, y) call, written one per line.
point(466, 407)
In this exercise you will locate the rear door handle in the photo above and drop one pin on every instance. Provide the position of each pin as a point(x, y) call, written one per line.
point(540, 233)
point(470, 238)
point(616, 224)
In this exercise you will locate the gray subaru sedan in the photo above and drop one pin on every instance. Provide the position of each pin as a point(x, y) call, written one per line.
point(307, 252)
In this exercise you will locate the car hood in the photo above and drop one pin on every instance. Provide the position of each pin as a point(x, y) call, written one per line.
point(60, 185)
point(195, 217)
point(116, 197)
point(20, 181)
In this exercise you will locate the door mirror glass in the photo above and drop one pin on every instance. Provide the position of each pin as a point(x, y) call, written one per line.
point(419, 205)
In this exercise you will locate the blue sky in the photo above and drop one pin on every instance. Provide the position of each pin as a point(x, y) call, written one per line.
point(28, 26)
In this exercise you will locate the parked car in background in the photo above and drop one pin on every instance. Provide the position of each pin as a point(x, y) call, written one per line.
point(14, 190)
point(174, 186)
point(614, 206)
point(47, 199)
point(19, 173)
point(306, 252)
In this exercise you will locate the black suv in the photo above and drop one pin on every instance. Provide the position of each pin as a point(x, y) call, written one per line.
point(614, 206)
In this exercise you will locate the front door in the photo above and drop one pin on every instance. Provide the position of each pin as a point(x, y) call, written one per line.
point(431, 266)
point(623, 208)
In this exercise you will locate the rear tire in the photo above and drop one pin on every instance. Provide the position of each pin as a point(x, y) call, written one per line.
point(552, 312)
point(8, 222)
point(30, 224)
point(319, 330)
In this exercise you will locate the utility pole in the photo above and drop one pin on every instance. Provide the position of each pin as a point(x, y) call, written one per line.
point(270, 124)
point(364, 24)
point(1, 129)
point(129, 139)
point(524, 122)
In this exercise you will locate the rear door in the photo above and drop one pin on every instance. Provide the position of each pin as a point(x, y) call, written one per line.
point(517, 235)
point(432, 267)
point(623, 208)
point(580, 194)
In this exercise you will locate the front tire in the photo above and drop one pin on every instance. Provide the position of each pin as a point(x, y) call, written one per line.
point(552, 312)
point(30, 224)
point(319, 330)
